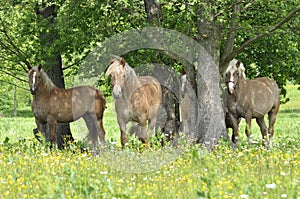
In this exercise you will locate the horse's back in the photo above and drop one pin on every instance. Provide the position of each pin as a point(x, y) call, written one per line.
point(87, 98)
point(265, 93)
point(267, 84)
point(92, 94)
point(151, 87)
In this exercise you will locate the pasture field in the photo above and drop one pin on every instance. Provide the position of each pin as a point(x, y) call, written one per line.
point(29, 169)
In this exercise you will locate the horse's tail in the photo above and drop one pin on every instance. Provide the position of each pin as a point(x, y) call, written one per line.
point(102, 100)
point(102, 105)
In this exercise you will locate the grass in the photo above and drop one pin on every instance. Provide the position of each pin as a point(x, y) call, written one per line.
point(30, 170)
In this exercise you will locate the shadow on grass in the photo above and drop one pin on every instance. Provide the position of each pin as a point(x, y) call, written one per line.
point(20, 113)
point(297, 110)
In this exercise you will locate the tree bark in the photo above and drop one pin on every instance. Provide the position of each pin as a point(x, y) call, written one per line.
point(154, 13)
point(229, 43)
point(211, 117)
point(53, 63)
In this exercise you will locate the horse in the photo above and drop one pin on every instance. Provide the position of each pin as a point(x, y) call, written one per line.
point(137, 98)
point(52, 105)
point(187, 111)
point(251, 99)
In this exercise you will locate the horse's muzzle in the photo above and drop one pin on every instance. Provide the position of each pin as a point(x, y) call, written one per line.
point(231, 87)
point(33, 91)
point(117, 92)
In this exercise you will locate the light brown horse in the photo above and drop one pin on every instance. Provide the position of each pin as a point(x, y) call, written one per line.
point(185, 108)
point(137, 99)
point(251, 99)
point(188, 110)
point(53, 105)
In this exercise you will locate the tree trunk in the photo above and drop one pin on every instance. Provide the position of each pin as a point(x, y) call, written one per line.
point(53, 63)
point(228, 47)
point(154, 13)
point(211, 117)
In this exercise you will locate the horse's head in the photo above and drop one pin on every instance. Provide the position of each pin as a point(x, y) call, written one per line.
point(234, 72)
point(34, 78)
point(116, 71)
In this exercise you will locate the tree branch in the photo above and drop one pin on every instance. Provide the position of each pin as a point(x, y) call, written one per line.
point(14, 76)
point(271, 30)
point(7, 82)
point(12, 47)
point(228, 48)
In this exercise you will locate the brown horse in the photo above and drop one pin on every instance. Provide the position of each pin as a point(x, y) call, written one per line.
point(137, 99)
point(53, 105)
point(251, 99)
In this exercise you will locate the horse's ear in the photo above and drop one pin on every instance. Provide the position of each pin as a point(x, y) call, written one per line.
point(40, 67)
point(183, 71)
point(238, 63)
point(29, 67)
point(111, 60)
point(123, 62)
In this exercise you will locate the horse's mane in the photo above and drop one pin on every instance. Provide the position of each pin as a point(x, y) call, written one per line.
point(232, 66)
point(46, 80)
point(130, 73)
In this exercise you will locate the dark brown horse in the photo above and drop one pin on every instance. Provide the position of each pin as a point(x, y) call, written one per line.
point(137, 99)
point(251, 99)
point(53, 105)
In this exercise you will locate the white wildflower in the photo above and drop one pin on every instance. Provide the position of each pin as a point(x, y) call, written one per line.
point(271, 186)
point(244, 196)
point(283, 173)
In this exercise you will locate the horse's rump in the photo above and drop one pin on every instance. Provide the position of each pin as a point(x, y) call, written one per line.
point(70, 104)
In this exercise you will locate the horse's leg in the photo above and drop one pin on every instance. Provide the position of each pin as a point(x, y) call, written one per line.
point(144, 134)
point(40, 127)
point(263, 129)
point(152, 124)
point(272, 118)
point(248, 126)
point(94, 129)
point(52, 125)
point(122, 126)
point(102, 132)
point(235, 130)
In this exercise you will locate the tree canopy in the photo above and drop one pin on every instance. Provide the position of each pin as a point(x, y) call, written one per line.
point(81, 25)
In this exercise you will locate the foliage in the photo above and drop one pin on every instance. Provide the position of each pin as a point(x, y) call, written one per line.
point(83, 25)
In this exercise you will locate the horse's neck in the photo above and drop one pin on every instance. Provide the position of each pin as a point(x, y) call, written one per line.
point(43, 93)
point(130, 86)
point(242, 84)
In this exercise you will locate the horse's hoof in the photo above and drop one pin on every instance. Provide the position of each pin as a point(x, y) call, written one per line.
point(234, 146)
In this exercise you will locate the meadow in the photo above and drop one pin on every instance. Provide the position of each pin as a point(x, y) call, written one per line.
point(29, 169)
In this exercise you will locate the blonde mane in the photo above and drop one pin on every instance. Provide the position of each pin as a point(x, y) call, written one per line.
point(49, 85)
point(47, 81)
point(232, 66)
